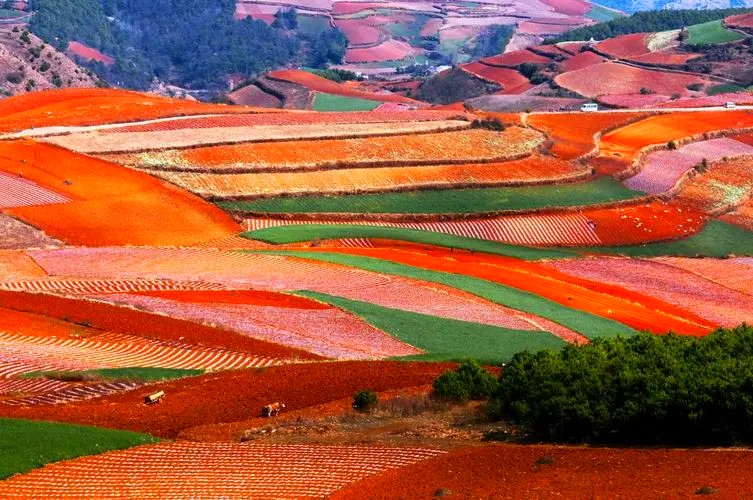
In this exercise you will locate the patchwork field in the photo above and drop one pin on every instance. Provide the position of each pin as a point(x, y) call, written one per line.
point(231, 258)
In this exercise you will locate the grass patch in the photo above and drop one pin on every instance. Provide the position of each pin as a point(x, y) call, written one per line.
point(444, 339)
point(711, 33)
point(307, 232)
point(602, 14)
point(590, 325)
point(474, 200)
point(136, 374)
point(331, 102)
point(724, 88)
point(27, 445)
point(718, 239)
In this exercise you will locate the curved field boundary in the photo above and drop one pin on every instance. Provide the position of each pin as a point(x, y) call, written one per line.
point(109, 204)
point(142, 142)
point(627, 145)
point(444, 339)
point(71, 394)
point(587, 324)
point(327, 332)
point(725, 186)
point(15, 191)
point(319, 84)
point(674, 285)
point(742, 216)
point(452, 145)
point(292, 118)
point(112, 350)
point(228, 470)
point(90, 106)
point(530, 230)
point(663, 170)
point(590, 297)
point(345, 181)
point(735, 273)
point(94, 286)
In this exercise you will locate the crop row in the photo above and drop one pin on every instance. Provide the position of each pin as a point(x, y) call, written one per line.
point(227, 470)
point(94, 286)
point(15, 191)
point(528, 171)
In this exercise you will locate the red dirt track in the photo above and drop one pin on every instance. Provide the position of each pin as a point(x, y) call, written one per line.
point(510, 471)
point(236, 395)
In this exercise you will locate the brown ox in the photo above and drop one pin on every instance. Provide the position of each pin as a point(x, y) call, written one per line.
point(272, 410)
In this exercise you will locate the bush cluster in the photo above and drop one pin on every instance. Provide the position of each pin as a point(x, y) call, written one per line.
point(641, 389)
point(469, 382)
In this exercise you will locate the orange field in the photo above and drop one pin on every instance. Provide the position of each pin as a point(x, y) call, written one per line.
point(571, 142)
point(532, 170)
point(511, 81)
point(624, 143)
point(615, 78)
point(742, 216)
point(467, 145)
point(645, 222)
point(319, 84)
point(77, 107)
point(630, 308)
point(540, 471)
point(724, 186)
point(109, 205)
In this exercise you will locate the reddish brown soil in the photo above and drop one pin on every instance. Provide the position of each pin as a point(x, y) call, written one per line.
point(111, 205)
point(124, 320)
point(511, 471)
point(255, 297)
point(234, 396)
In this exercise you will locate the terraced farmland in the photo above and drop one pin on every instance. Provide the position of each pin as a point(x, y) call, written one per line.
point(223, 258)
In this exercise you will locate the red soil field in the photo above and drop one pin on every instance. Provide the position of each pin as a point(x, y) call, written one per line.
point(615, 78)
point(15, 191)
point(435, 147)
point(236, 395)
point(319, 84)
point(515, 58)
point(511, 81)
point(251, 95)
point(293, 118)
point(624, 143)
point(344, 8)
point(84, 286)
point(431, 27)
point(742, 216)
point(734, 273)
point(644, 223)
point(625, 46)
point(255, 297)
point(581, 60)
point(110, 205)
point(77, 107)
point(740, 21)
point(722, 188)
point(221, 470)
point(665, 58)
point(531, 170)
point(739, 98)
point(357, 32)
point(635, 310)
point(545, 28)
point(391, 50)
point(106, 317)
point(78, 49)
point(511, 471)
point(636, 101)
point(571, 142)
point(16, 265)
point(708, 299)
point(569, 7)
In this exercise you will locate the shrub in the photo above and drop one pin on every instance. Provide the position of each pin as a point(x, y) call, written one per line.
point(15, 77)
point(695, 86)
point(489, 124)
point(642, 389)
point(365, 401)
point(671, 145)
point(44, 67)
point(469, 382)
point(646, 91)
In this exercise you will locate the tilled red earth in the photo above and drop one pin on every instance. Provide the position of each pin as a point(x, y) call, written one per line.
point(534, 471)
point(235, 395)
point(212, 470)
